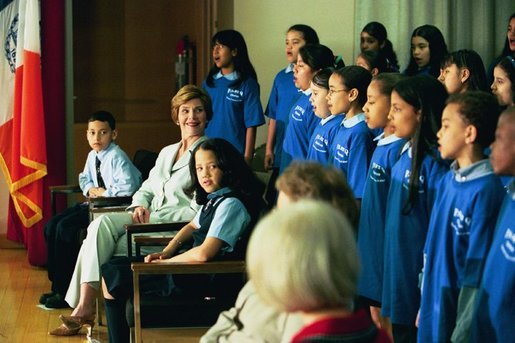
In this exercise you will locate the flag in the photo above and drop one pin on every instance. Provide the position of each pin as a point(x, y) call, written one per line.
point(23, 158)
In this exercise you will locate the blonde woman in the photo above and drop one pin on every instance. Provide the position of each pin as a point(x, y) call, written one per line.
point(303, 258)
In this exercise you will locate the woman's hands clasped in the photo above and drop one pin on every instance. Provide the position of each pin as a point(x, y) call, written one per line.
point(140, 215)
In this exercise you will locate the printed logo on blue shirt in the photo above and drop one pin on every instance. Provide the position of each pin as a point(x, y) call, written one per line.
point(508, 247)
point(320, 143)
point(234, 95)
point(460, 223)
point(421, 181)
point(298, 113)
point(342, 154)
point(378, 173)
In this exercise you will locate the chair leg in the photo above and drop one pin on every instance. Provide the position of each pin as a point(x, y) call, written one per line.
point(100, 305)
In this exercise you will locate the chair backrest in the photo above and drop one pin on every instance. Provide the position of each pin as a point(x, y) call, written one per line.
point(144, 160)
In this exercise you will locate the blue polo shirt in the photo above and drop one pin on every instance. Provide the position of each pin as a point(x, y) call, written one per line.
point(495, 312)
point(322, 138)
point(282, 96)
point(405, 236)
point(459, 236)
point(351, 151)
point(373, 213)
point(301, 124)
point(234, 109)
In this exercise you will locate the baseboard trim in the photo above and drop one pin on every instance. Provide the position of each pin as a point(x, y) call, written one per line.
point(8, 244)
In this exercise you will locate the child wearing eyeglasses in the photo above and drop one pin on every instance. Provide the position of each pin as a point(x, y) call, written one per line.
point(353, 145)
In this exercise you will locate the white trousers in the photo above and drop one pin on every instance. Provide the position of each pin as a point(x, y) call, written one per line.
point(106, 238)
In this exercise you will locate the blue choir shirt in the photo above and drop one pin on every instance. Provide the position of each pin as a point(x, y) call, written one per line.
point(301, 124)
point(121, 177)
point(373, 213)
point(282, 96)
point(351, 151)
point(495, 312)
point(234, 109)
point(459, 236)
point(229, 221)
point(322, 138)
point(405, 236)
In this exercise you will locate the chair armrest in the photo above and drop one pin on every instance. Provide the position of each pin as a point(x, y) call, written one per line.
point(132, 229)
point(61, 189)
point(95, 202)
point(211, 267)
point(67, 189)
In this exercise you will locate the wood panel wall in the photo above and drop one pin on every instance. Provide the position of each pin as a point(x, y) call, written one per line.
point(124, 62)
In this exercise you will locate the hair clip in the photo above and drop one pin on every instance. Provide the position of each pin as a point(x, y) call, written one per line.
point(512, 60)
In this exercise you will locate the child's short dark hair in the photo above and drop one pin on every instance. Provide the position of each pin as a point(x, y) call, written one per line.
point(236, 172)
point(472, 61)
point(387, 81)
point(481, 110)
point(507, 64)
point(309, 34)
point(317, 56)
point(103, 116)
point(356, 77)
point(321, 78)
point(375, 59)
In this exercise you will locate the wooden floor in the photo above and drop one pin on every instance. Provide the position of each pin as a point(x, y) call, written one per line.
point(22, 321)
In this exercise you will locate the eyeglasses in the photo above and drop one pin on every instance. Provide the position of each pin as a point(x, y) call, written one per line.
point(332, 91)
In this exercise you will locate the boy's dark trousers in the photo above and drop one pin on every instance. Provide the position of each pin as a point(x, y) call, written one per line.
point(62, 234)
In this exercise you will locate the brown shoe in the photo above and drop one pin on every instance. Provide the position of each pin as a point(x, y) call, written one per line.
point(63, 330)
point(72, 322)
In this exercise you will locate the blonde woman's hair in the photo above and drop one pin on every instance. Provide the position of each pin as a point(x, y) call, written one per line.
point(187, 93)
point(303, 257)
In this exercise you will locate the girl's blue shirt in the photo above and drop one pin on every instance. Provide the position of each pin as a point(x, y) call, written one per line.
point(322, 138)
point(351, 151)
point(301, 124)
point(234, 109)
point(405, 235)
point(230, 220)
point(373, 213)
point(494, 314)
point(282, 97)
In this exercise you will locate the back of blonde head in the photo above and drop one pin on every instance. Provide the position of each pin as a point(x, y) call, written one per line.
point(303, 257)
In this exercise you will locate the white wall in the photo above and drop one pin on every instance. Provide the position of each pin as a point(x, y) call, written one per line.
point(263, 23)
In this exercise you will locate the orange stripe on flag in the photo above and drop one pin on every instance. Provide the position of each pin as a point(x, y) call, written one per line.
point(23, 158)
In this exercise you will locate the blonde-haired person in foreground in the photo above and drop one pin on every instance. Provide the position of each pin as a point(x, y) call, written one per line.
point(251, 320)
point(303, 258)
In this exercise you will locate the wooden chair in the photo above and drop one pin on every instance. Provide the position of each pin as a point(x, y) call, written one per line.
point(144, 160)
point(209, 305)
point(212, 267)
